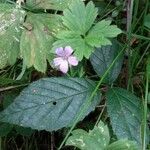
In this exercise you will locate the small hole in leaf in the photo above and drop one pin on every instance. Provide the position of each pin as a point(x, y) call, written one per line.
point(82, 36)
point(54, 103)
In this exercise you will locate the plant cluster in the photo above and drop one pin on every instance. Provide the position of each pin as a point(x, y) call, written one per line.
point(70, 37)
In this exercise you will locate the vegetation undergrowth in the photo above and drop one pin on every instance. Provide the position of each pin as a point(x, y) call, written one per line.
point(74, 74)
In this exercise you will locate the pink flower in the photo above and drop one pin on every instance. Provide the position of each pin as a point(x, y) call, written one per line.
point(65, 59)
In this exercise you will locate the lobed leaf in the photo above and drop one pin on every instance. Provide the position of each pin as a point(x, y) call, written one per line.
point(48, 4)
point(96, 139)
point(12, 19)
point(80, 32)
point(78, 17)
point(37, 39)
point(123, 144)
point(101, 32)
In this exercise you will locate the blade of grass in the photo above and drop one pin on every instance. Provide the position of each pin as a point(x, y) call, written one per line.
point(12, 87)
point(144, 53)
point(86, 105)
point(145, 115)
point(129, 36)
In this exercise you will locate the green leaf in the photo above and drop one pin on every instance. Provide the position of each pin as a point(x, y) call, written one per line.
point(5, 128)
point(76, 42)
point(96, 139)
point(37, 39)
point(48, 4)
point(10, 32)
point(147, 21)
point(125, 112)
point(78, 17)
point(123, 144)
point(51, 103)
point(78, 20)
point(103, 57)
point(100, 33)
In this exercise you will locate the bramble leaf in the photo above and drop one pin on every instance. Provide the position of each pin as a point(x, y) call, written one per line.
point(51, 103)
point(125, 112)
point(103, 57)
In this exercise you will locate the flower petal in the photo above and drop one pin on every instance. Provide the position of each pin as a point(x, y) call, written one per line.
point(72, 60)
point(64, 66)
point(57, 61)
point(68, 51)
point(60, 52)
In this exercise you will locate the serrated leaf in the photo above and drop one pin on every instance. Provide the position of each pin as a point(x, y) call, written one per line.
point(48, 4)
point(37, 39)
point(51, 103)
point(147, 21)
point(101, 32)
point(96, 139)
point(10, 31)
point(125, 112)
point(78, 17)
point(77, 43)
point(78, 20)
point(123, 144)
point(103, 57)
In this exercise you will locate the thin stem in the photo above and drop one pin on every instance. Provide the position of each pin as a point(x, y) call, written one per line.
point(99, 117)
point(145, 115)
point(86, 105)
point(147, 48)
point(52, 141)
point(12, 87)
point(129, 31)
